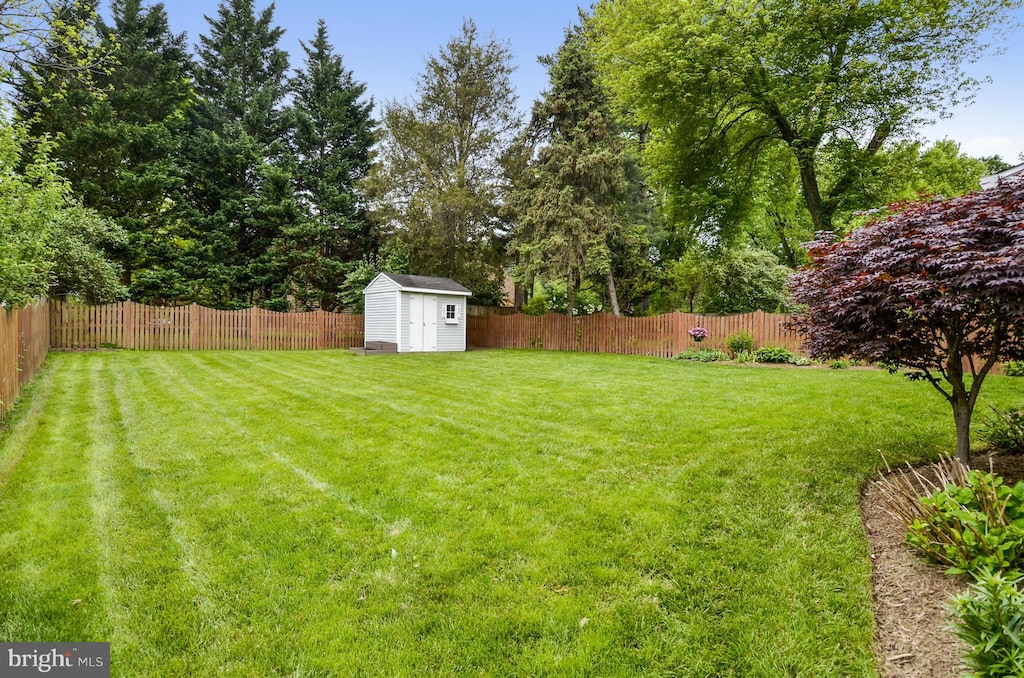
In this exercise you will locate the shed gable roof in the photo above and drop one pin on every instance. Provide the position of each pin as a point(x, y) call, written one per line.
point(426, 283)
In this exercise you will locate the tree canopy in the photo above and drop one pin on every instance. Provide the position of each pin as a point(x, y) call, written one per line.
point(937, 288)
point(724, 85)
point(439, 181)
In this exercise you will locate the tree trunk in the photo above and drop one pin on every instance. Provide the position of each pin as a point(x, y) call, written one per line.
point(570, 294)
point(611, 293)
point(963, 409)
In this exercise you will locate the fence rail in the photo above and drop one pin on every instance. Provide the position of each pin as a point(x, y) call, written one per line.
point(194, 327)
point(24, 342)
point(664, 335)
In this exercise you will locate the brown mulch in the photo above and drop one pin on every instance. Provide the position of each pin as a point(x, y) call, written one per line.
point(910, 594)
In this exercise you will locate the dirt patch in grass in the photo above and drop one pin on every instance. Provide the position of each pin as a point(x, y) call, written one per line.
point(910, 594)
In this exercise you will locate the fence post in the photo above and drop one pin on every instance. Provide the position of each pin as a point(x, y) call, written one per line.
point(252, 328)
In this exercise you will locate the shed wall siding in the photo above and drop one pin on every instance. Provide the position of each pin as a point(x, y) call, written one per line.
point(381, 284)
point(451, 337)
point(380, 319)
point(403, 342)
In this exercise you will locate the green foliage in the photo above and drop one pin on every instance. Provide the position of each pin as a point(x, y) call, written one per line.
point(1004, 431)
point(839, 364)
point(31, 197)
point(773, 354)
point(972, 524)
point(439, 176)
point(393, 257)
point(728, 88)
point(742, 280)
point(537, 305)
point(990, 618)
point(683, 283)
point(1014, 368)
point(567, 191)
point(745, 357)
point(741, 342)
point(77, 240)
point(238, 197)
point(330, 137)
point(704, 355)
point(117, 132)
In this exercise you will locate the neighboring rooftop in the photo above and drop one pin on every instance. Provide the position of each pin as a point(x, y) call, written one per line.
point(426, 282)
point(990, 180)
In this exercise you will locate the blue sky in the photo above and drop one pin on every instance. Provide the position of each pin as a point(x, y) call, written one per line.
point(385, 42)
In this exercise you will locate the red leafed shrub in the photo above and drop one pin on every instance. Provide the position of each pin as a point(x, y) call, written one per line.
point(932, 288)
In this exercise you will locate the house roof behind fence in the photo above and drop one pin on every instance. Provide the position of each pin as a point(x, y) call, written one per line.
point(426, 282)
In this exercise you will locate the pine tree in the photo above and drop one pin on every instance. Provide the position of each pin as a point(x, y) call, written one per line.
point(237, 162)
point(117, 135)
point(568, 192)
point(331, 135)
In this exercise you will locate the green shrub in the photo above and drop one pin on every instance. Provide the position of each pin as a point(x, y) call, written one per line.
point(537, 305)
point(772, 354)
point(744, 357)
point(1014, 368)
point(838, 365)
point(990, 618)
point(741, 342)
point(1004, 431)
point(800, 360)
point(971, 525)
point(705, 355)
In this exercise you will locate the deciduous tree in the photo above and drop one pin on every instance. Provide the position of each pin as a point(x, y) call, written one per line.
point(937, 288)
point(439, 180)
point(723, 83)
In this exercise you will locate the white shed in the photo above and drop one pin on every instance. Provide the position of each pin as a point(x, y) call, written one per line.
point(410, 313)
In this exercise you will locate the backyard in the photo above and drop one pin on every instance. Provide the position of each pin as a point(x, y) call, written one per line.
point(496, 512)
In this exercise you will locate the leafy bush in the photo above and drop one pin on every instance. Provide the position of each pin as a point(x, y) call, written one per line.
point(839, 364)
point(744, 357)
point(1004, 431)
point(741, 342)
point(537, 305)
point(976, 525)
point(990, 618)
point(800, 360)
point(772, 354)
point(1014, 368)
point(707, 355)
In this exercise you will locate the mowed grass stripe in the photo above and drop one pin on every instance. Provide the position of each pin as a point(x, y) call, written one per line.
point(264, 558)
point(48, 545)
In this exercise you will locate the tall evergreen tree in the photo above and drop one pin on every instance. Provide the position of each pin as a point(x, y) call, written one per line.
point(331, 135)
point(237, 162)
point(568, 195)
point(441, 179)
point(116, 137)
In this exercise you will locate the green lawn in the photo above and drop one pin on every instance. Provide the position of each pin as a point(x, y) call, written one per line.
point(488, 513)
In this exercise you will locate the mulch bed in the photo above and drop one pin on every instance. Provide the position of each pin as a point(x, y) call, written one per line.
point(910, 595)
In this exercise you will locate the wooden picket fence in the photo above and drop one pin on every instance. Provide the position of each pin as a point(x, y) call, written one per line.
point(183, 328)
point(24, 342)
point(663, 335)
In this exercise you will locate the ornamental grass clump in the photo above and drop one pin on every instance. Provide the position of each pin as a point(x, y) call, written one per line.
point(966, 520)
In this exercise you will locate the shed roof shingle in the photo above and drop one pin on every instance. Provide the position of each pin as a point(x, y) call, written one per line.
point(426, 282)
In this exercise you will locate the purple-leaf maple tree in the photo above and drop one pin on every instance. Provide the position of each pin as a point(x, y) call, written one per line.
point(937, 288)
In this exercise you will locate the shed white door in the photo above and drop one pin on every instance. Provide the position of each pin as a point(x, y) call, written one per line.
point(422, 322)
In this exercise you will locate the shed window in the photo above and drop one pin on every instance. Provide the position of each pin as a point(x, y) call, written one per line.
point(451, 314)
